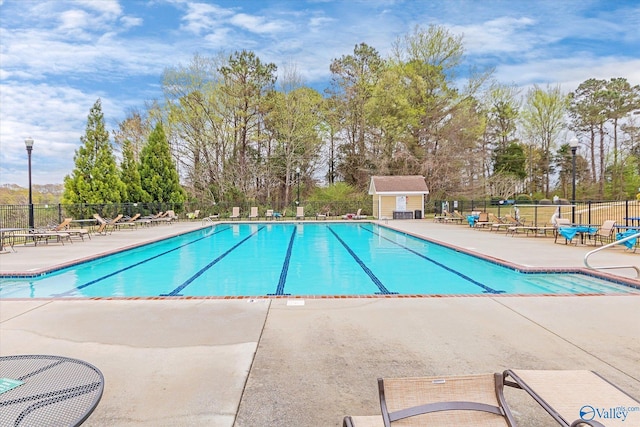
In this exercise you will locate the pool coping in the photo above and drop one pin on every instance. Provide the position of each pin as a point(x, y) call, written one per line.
point(620, 280)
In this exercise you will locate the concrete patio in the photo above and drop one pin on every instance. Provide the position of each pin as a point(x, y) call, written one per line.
point(309, 362)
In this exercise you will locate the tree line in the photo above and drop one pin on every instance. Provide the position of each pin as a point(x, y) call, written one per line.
point(233, 132)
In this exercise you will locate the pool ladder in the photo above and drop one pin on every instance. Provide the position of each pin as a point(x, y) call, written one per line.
point(611, 267)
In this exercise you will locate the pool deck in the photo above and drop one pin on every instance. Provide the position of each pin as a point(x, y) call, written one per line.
point(308, 362)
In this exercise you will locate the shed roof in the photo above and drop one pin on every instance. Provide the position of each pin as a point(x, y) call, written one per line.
point(401, 184)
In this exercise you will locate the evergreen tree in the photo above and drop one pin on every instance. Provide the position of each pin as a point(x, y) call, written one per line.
point(510, 160)
point(95, 179)
point(158, 173)
point(130, 175)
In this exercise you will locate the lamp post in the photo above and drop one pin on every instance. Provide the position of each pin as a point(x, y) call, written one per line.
point(573, 143)
point(29, 144)
point(298, 179)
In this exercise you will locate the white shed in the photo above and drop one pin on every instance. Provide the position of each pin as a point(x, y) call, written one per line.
point(398, 197)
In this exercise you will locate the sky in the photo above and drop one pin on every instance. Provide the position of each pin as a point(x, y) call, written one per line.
point(57, 57)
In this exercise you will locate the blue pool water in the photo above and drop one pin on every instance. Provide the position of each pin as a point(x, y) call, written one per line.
point(295, 259)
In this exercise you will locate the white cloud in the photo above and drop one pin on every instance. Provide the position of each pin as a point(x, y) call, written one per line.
point(570, 71)
point(105, 7)
point(258, 24)
point(131, 21)
point(202, 16)
point(500, 35)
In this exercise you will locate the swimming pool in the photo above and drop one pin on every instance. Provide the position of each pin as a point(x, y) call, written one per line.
point(261, 259)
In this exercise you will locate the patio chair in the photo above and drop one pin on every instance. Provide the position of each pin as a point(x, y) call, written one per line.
point(605, 232)
point(560, 222)
point(469, 400)
point(299, 212)
point(576, 397)
point(268, 214)
point(235, 213)
point(254, 212)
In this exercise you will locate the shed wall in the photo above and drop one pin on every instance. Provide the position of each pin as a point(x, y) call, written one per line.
point(388, 205)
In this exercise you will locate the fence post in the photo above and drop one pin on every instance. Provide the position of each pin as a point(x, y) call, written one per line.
point(626, 213)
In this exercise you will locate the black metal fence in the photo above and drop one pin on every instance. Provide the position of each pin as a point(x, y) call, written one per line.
point(17, 216)
point(624, 212)
point(535, 213)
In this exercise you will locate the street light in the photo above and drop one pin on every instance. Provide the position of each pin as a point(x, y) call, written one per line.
point(29, 144)
point(298, 179)
point(573, 143)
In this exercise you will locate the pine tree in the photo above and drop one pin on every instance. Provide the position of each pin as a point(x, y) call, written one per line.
point(95, 178)
point(130, 175)
point(158, 173)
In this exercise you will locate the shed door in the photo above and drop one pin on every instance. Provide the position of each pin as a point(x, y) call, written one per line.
point(401, 203)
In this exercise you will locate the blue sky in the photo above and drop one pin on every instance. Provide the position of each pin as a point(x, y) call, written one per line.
point(58, 56)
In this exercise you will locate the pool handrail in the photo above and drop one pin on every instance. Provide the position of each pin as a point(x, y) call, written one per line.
point(612, 267)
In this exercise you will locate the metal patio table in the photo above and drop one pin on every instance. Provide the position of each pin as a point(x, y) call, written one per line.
point(54, 390)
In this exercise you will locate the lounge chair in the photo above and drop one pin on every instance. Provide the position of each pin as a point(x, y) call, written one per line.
point(160, 217)
point(194, 214)
point(167, 217)
point(468, 400)
point(38, 236)
point(576, 397)
point(492, 220)
point(253, 214)
point(354, 216)
point(268, 214)
point(483, 220)
point(299, 212)
point(440, 218)
point(278, 215)
point(457, 216)
point(128, 223)
point(509, 221)
point(65, 226)
point(104, 225)
point(453, 217)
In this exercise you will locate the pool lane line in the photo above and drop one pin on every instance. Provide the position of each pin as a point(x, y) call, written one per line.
point(93, 282)
point(486, 288)
point(373, 277)
point(285, 266)
point(176, 291)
